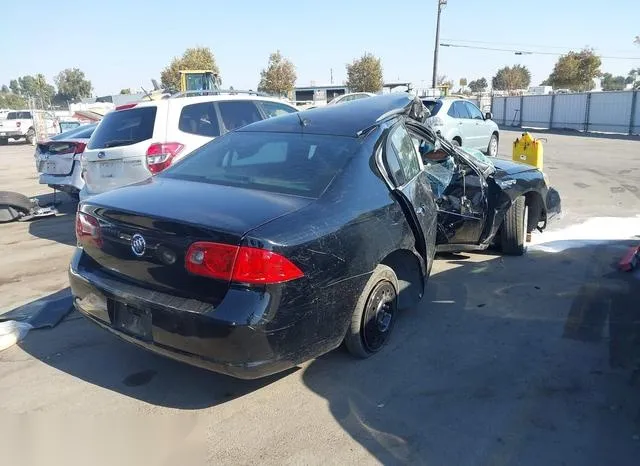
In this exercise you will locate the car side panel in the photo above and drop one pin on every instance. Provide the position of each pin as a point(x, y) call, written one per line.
point(337, 242)
point(505, 188)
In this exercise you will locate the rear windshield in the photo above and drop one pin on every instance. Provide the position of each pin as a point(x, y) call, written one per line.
point(124, 127)
point(433, 106)
point(288, 163)
point(18, 116)
point(80, 132)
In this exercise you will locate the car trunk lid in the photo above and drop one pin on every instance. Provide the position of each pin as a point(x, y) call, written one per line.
point(57, 157)
point(167, 216)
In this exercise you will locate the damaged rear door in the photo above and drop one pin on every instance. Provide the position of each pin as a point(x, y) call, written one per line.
point(405, 176)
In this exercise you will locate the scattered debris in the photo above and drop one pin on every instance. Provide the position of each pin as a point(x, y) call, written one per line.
point(45, 312)
point(11, 332)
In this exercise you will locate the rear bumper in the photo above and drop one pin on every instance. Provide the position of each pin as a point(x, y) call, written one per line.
point(232, 339)
point(69, 183)
point(11, 134)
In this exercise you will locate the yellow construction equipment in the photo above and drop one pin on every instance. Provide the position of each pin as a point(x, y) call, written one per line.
point(528, 150)
point(198, 80)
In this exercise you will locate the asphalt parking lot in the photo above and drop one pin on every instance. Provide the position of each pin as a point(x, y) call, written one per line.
point(509, 360)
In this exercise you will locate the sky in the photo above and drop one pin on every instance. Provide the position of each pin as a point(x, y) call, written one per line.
point(123, 44)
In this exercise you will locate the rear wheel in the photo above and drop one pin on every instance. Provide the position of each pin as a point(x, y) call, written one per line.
point(4, 141)
point(514, 229)
point(31, 136)
point(492, 149)
point(374, 316)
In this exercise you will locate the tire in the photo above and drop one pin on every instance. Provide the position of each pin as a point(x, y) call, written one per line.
point(4, 141)
point(455, 142)
point(514, 229)
point(75, 195)
point(492, 148)
point(375, 314)
point(13, 206)
point(30, 137)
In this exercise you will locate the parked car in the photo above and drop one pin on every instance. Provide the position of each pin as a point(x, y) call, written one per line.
point(350, 97)
point(138, 140)
point(17, 125)
point(463, 124)
point(276, 242)
point(58, 159)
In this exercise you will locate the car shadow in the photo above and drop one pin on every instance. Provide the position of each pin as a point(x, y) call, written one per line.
point(505, 361)
point(61, 227)
point(89, 353)
point(571, 132)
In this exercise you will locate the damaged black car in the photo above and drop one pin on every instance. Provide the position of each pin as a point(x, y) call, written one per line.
point(279, 241)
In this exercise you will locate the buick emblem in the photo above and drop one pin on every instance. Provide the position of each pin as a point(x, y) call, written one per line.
point(138, 245)
point(101, 155)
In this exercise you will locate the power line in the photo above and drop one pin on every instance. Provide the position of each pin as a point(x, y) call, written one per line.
point(526, 52)
point(557, 47)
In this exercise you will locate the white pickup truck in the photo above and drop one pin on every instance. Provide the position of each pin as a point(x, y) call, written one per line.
point(17, 125)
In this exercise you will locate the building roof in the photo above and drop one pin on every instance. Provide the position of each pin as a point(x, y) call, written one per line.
point(345, 119)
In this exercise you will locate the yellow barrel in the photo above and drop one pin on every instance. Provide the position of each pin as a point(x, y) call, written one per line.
point(528, 150)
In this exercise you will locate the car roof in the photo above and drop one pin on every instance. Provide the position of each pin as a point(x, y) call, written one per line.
point(347, 119)
point(211, 98)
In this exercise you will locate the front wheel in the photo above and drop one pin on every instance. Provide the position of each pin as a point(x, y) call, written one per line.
point(514, 229)
point(374, 316)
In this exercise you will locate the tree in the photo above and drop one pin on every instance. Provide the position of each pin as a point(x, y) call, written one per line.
point(463, 82)
point(5, 89)
point(14, 86)
point(125, 91)
point(197, 58)
point(72, 85)
point(634, 78)
point(364, 74)
point(479, 85)
point(279, 77)
point(612, 83)
point(511, 78)
point(13, 101)
point(575, 71)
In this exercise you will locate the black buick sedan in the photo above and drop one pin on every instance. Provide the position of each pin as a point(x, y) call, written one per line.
point(277, 242)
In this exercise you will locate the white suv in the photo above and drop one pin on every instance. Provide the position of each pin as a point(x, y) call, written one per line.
point(138, 140)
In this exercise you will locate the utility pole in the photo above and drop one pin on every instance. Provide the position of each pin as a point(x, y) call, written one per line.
point(441, 4)
point(331, 75)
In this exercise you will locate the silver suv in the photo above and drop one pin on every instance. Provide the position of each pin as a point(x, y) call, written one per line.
point(462, 123)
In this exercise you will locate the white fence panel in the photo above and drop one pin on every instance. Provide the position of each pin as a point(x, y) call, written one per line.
point(569, 111)
point(610, 112)
point(536, 111)
point(513, 111)
point(498, 110)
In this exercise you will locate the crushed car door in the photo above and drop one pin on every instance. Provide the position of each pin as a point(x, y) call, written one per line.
point(459, 188)
point(402, 164)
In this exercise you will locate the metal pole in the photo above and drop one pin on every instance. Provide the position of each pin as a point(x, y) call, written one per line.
point(436, 48)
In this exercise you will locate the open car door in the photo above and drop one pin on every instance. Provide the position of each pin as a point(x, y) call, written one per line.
point(459, 188)
point(404, 174)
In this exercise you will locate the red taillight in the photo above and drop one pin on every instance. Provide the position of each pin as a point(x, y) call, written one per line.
point(240, 264)
point(79, 148)
point(88, 229)
point(125, 106)
point(160, 156)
